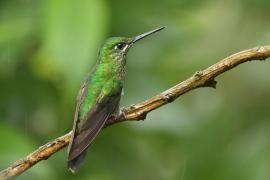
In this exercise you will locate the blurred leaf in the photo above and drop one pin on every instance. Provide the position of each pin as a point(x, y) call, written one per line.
point(16, 28)
point(71, 35)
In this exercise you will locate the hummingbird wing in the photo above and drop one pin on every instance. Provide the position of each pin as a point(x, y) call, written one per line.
point(90, 126)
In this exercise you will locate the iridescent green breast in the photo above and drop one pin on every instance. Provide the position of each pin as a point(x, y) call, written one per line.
point(104, 80)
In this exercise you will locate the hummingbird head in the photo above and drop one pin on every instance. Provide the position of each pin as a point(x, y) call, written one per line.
point(116, 48)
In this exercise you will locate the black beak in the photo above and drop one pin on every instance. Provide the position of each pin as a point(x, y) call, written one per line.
point(137, 38)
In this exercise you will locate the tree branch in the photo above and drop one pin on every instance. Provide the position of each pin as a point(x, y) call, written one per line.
point(205, 78)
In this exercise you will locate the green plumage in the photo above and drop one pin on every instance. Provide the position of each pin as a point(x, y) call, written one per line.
point(107, 76)
point(99, 96)
point(101, 81)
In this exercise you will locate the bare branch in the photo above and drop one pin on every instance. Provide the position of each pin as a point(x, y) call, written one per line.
point(204, 78)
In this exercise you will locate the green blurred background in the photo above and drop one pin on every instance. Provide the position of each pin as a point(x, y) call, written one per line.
point(48, 46)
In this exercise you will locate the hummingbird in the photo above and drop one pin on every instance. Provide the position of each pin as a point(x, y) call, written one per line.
point(99, 96)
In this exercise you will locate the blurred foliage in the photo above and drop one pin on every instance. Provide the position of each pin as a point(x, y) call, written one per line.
point(48, 46)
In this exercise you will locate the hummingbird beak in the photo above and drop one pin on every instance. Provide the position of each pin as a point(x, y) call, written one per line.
point(139, 37)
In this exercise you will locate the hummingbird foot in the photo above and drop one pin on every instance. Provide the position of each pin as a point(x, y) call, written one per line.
point(122, 113)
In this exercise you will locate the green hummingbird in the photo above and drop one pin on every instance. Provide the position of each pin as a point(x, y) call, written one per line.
point(99, 96)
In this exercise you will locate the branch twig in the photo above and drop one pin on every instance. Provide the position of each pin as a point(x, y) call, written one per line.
point(205, 78)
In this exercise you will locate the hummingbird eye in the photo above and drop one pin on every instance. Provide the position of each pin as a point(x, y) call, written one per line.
point(119, 46)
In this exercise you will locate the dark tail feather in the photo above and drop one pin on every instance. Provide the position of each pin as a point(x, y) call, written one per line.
point(74, 164)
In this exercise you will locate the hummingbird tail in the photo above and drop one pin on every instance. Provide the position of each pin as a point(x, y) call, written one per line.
point(74, 164)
